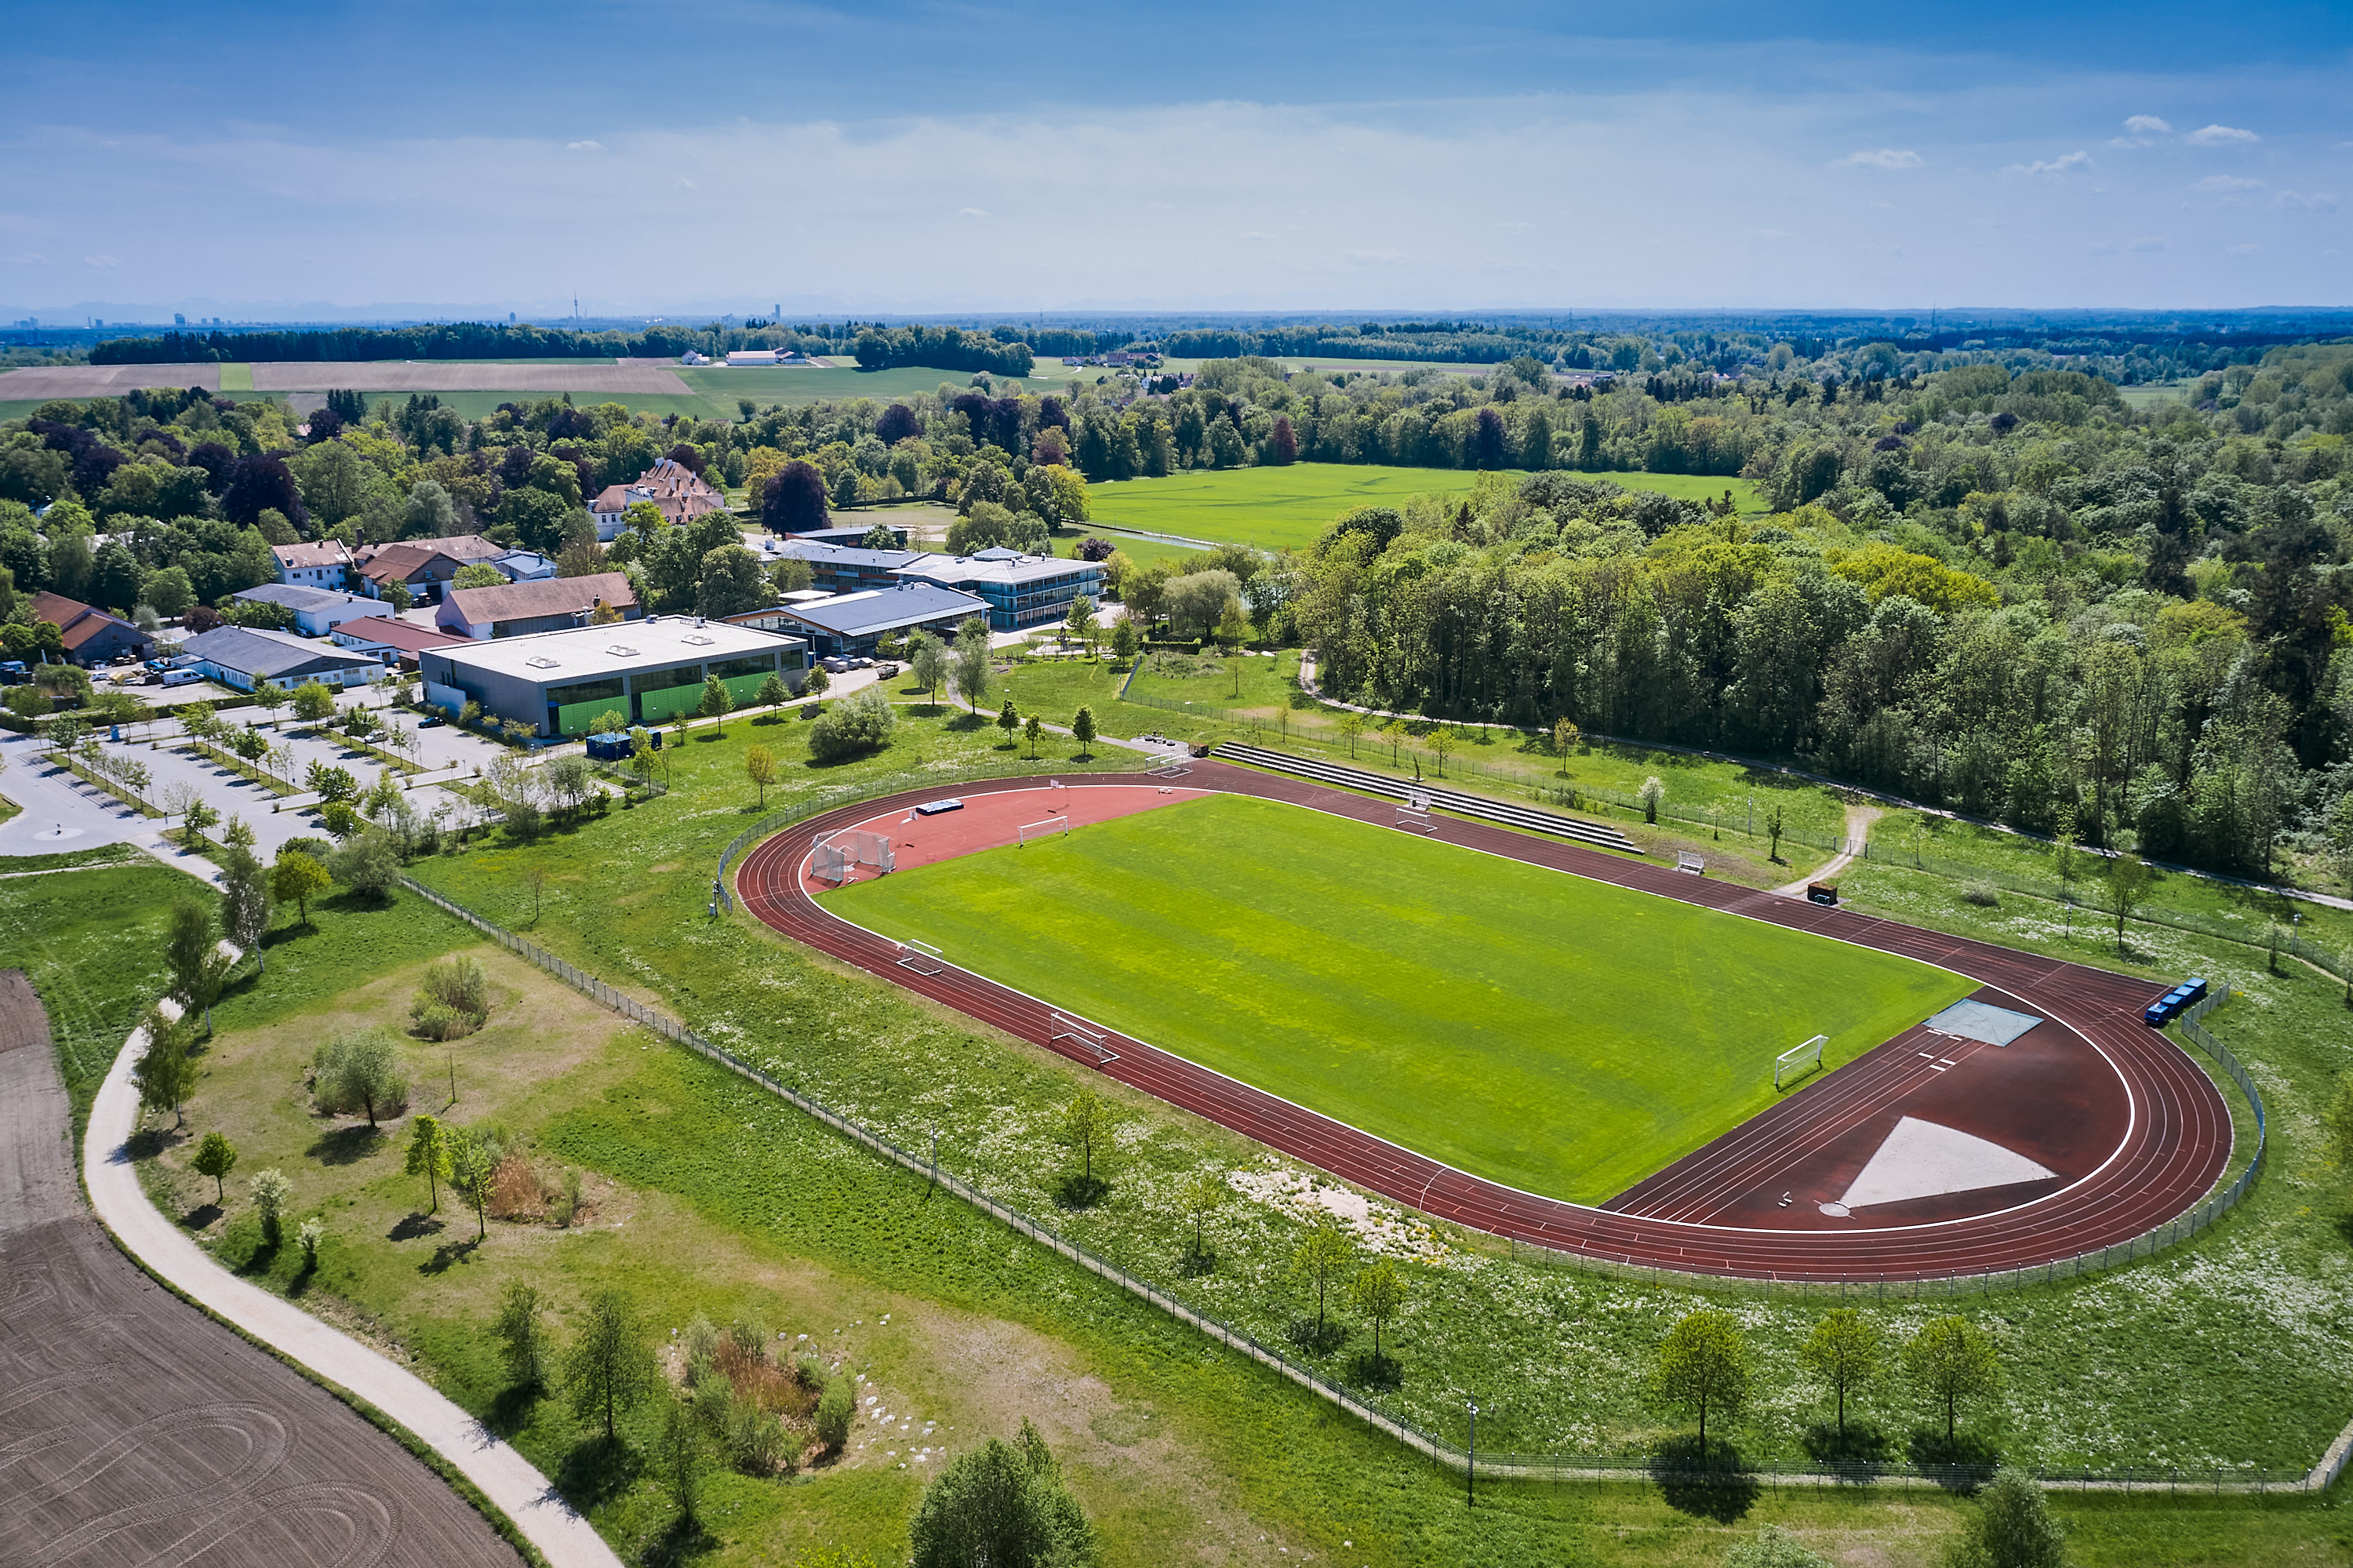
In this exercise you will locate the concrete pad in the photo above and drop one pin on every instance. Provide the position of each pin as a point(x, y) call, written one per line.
point(1925, 1159)
point(1981, 1020)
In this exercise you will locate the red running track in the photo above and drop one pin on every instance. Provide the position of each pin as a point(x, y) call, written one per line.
point(2176, 1145)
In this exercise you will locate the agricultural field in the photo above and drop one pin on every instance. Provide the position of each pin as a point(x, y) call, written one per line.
point(1557, 1036)
point(794, 384)
point(1289, 507)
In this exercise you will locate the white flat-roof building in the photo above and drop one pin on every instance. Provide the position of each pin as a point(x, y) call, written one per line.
point(561, 682)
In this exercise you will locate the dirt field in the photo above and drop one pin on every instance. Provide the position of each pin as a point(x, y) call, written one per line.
point(589, 376)
point(138, 1430)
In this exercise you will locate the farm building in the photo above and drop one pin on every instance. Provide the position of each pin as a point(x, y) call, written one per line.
point(561, 682)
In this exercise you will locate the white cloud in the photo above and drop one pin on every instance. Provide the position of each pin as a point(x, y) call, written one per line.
point(2242, 249)
point(29, 259)
point(2296, 201)
point(2222, 136)
point(1885, 158)
point(972, 212)
point(583, 147)
point(2147, 242)
point(2146, 125)
point(2224, 184)
point(2052, 169)
point(689, 185)
point(100, 261)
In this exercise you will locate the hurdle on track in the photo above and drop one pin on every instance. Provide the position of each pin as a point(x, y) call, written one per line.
point(1068, 1027)
point(1168, 770)
point(922, 958)
point(1800, 1060)
point(1688, 861)
point(1040, 830)
point(1415, 813)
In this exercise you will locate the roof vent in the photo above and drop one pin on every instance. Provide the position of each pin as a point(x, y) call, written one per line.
point(620, 651)
point(697, 639)
point(540, 661)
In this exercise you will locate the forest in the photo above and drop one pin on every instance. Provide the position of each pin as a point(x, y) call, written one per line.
point(2002, 588)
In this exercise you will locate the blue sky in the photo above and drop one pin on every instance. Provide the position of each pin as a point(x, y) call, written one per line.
point(690, 156)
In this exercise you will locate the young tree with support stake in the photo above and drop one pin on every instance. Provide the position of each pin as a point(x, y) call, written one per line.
point(1703, 1366)
point(760, 767)
point(2129, 881)
point(1378, 1291)
point(1032, 728)
point(1083, 729)
point(216, 1158)
point(1203, 1194)
point(1008, 719)
point(428, 1156)
point(1323, 1256)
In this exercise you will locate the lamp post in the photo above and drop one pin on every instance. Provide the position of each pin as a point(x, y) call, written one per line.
point(1471, 1471)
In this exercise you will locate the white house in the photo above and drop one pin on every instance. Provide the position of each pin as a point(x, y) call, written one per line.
point(322, 563)
point(317, 611)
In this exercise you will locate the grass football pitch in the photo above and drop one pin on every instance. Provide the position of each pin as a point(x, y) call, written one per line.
point(1288, 508)
point(1555, 1034)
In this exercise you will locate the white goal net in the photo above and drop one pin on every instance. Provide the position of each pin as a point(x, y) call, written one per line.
point(1795, 1063)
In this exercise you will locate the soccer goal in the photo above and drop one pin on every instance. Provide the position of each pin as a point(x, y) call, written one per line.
point(1040, 830)
point(1792, 1065)
point(836, 854)
point(1092, 1040)
point(922, 958)
point(831, 862)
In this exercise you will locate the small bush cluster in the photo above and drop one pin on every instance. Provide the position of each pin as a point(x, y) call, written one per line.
point(454, 1000)
point(756, 1409)
point(858, 724)
point(1982, 894)
point(360, 1070)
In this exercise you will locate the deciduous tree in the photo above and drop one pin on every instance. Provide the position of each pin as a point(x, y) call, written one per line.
point(216, 1158)
point(760, 767)
point(1322, 1259)
point(1951, 1359)
point(1378, 1291)
point(608, 1367)
point(1847, 1351)
point(428, 1156)
point(1703, 1366)
point(523, 1338)
point(298, 878)
point(1083, 729)
point(165, 1073)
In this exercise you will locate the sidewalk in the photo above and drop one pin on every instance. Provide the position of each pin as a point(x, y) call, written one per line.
point(505, 1476)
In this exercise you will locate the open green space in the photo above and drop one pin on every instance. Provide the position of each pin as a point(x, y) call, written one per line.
point(1288, 507)
point(1552, 1034)
point(794, 384)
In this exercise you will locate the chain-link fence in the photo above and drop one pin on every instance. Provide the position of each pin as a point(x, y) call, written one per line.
point(1367, 1404)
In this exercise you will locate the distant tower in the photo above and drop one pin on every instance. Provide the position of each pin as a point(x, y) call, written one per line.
point(575, 305)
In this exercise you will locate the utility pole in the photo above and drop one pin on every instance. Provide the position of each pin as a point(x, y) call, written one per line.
point(1471, 1471)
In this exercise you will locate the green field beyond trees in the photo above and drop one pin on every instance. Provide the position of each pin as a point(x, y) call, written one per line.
point(1559, 1035)
point(1289, 508)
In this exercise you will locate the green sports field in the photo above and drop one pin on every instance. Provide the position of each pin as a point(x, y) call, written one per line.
point(1559, 1035)
point(1285, 508)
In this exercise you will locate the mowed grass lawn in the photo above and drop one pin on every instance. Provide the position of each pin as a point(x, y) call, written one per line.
point(1552, 1034)
point(1288, 507)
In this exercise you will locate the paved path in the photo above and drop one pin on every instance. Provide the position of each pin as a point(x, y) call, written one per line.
point(504, 1476)
point(133, 1430)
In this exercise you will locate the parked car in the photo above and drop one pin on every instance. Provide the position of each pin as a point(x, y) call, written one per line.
point(431, 720)
point(861, 663)
point(886, 671)
point(837, 665)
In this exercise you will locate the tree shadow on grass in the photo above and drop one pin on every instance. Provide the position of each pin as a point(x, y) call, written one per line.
point(202, 1217)
point(1863, 1446)
point(967, 721)
point(1714, 1485)
point(262, 1258)
point(683, 1540)
point(1379, 1372)
point(1316, 1339)
point(413, 1225)
point(509, 1412)
point(1080, 1191)
point(344, 1145)
point(596, 1471)
point(448, 1253)
point(147, 1142)
point(1194, 1264)
point(1970, 1460)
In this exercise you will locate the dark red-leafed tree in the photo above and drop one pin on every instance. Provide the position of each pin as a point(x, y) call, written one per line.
point(897, 423)
point(255, 485)
point(687, 458)
point(1284, 444)
point(793, 500)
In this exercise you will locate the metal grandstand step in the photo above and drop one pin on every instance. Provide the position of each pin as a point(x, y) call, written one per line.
point(1598, 834)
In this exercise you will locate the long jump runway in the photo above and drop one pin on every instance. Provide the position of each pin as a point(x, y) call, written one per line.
point(2097, 1127)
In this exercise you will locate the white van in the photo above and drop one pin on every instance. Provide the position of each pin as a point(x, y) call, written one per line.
point(182, 677)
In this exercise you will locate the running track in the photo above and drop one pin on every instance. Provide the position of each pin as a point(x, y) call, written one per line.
point(2177, 1144)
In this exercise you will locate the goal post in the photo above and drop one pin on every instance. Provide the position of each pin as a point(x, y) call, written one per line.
point(1796, 1063)
point(1040, 830)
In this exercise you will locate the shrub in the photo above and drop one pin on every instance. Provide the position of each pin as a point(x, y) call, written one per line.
point(454, 999)
point(858, 724)
point(312, 1232)
point(2013, 1528)
point(360, 1070)
point(1003, 1502)
point(270, 1189)
point(1981, 893)
point(368, 863)
point(514, 1189)
point(701, 1346)
point(833, 1413)
point(1773, 1547)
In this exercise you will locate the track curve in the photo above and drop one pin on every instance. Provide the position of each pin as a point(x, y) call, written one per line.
point(2178, 1145)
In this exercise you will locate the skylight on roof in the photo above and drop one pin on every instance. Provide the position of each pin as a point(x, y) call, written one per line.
point(697, 639)
point(540, 661)
point(620, 651)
